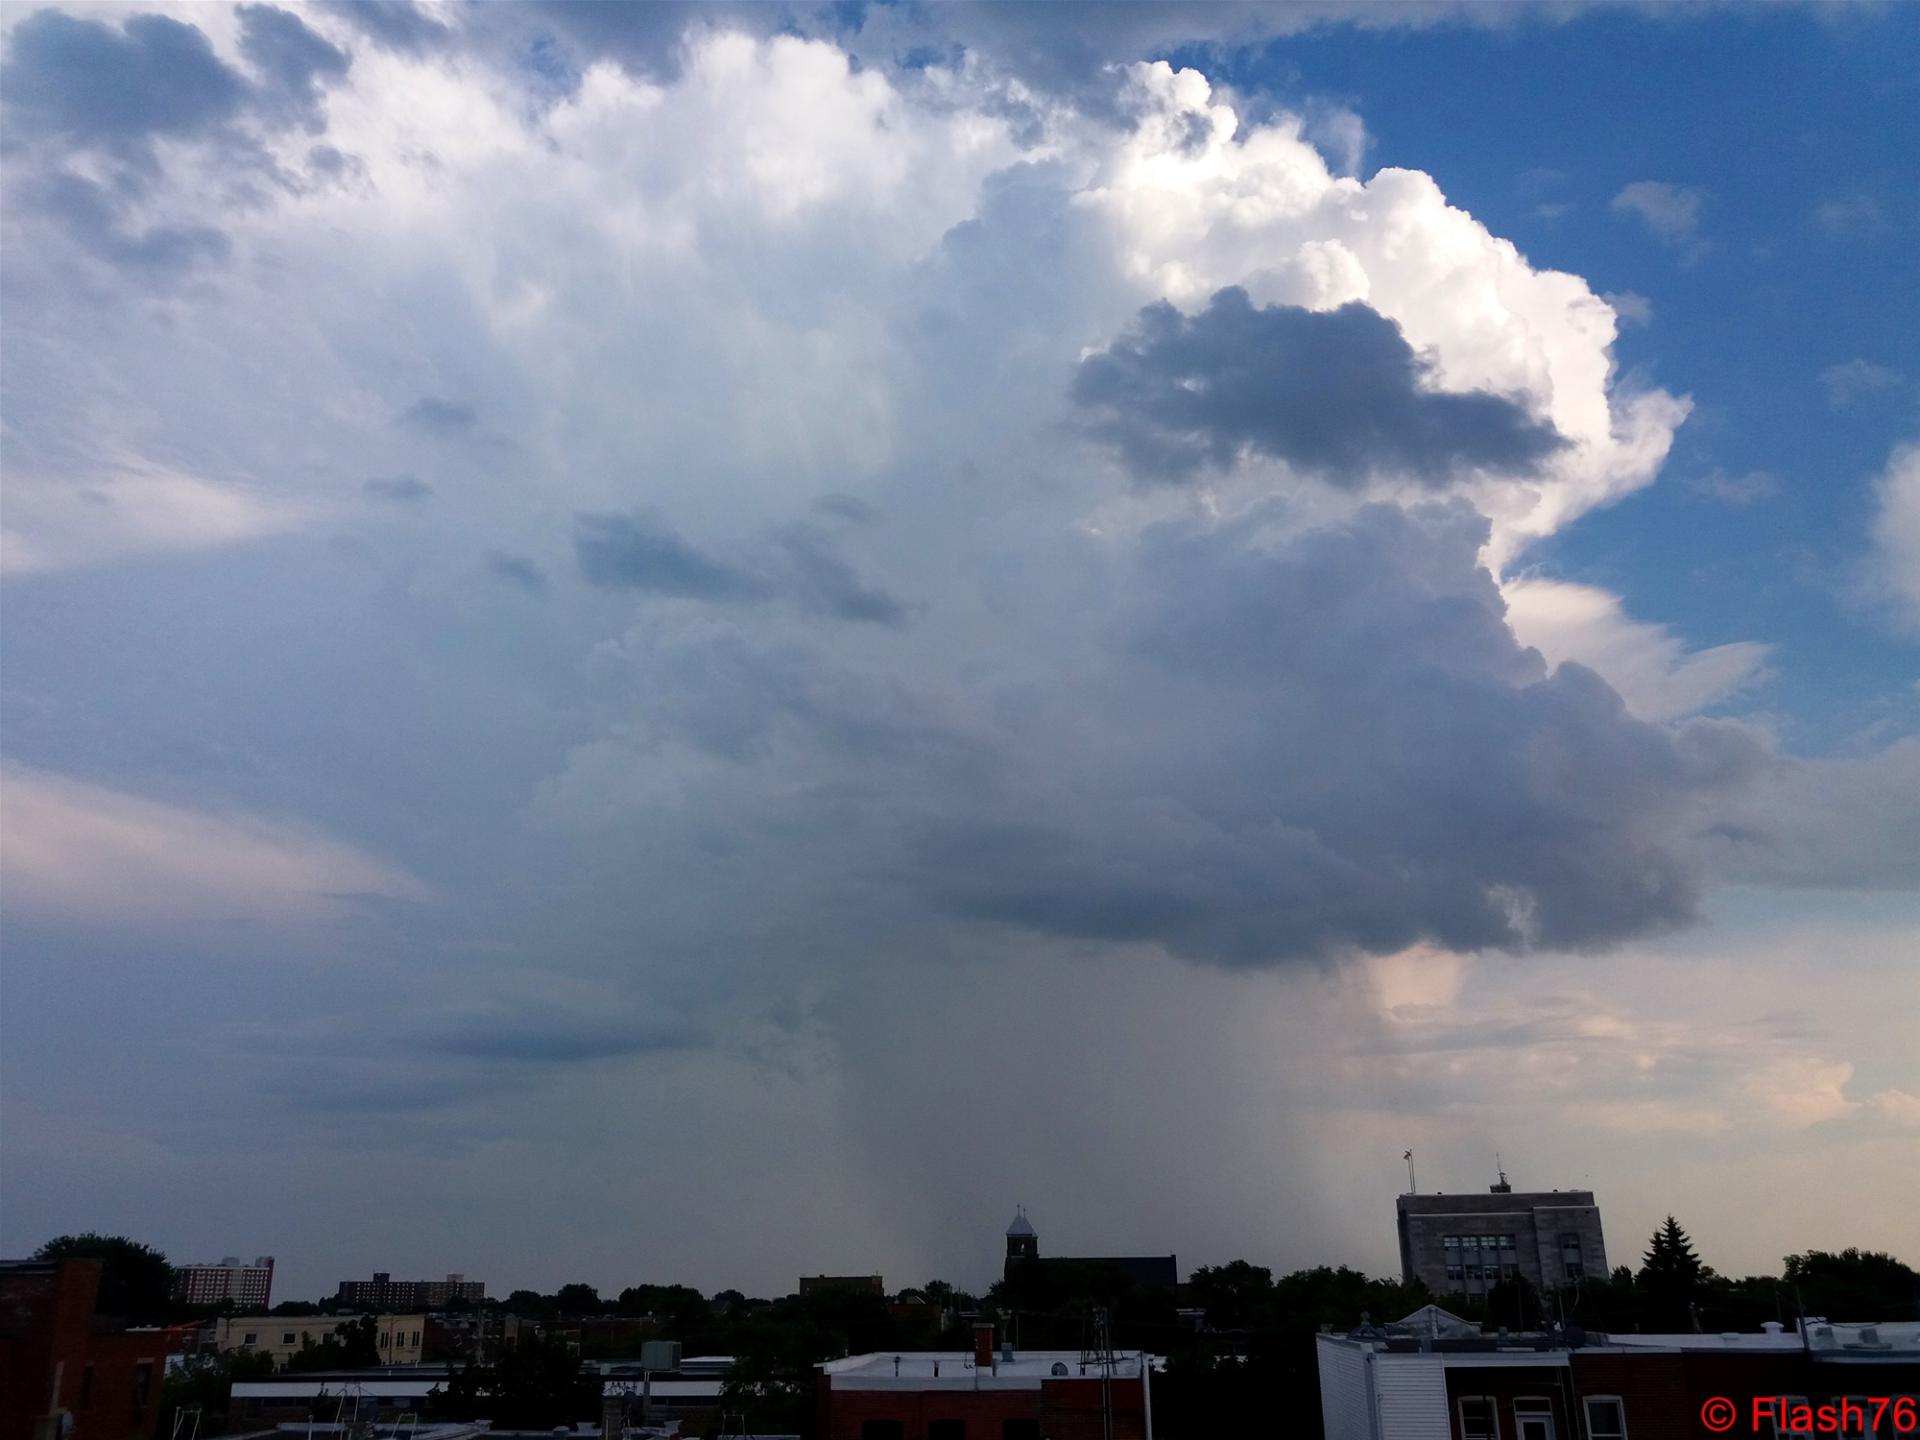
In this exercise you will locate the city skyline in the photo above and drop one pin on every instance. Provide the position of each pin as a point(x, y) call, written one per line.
point(656, 643)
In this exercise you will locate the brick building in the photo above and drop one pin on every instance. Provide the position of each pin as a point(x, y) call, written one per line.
point(1465, 1244)
point(954, 1395)
point(248, 1286)
point(1451, 1383)
point(65, 1372)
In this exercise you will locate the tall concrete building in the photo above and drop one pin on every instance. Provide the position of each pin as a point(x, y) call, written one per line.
point(383, 1292)
point(1466, 1244)
point(248, 1286)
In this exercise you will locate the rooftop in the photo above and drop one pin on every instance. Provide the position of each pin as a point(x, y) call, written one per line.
point(954, 1370)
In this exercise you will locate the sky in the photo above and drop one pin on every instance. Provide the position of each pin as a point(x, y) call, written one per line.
point(691, 645)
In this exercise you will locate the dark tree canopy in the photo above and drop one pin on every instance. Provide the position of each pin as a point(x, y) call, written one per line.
point(136, 1282)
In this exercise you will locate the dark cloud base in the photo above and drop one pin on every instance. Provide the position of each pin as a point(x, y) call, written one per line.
point(1338, 394)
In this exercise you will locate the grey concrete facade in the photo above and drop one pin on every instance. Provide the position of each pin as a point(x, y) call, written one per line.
point(1466, 1244)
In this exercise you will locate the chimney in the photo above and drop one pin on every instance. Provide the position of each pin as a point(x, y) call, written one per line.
point(983, 1347)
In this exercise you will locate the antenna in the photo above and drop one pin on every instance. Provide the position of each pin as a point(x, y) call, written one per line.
point(1499, 1169)
point(1412, 1189)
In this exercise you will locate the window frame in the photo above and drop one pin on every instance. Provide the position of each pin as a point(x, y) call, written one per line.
point(1535, 1405)
point(1586, 1414)
point(1493, 1416)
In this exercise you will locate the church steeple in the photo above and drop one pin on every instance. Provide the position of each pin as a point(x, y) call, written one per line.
point(1023, 1244)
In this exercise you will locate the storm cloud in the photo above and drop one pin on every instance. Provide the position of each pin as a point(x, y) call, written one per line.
point(874, 587)
point(1337, 394)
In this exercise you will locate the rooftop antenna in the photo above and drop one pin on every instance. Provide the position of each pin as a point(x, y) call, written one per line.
point(1503, 1188)
point(1412, 1189)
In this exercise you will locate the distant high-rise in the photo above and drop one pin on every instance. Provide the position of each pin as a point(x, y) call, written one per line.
point(248, 1286)
point(383, 1292)
point(1466, 1244)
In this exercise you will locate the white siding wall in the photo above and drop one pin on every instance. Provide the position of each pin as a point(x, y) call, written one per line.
point(1412, 1391)
point(1343, 1390)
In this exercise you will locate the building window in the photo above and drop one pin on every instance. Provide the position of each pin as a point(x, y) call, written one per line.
point(1478, 1418)
point(287, 1337)
point(882, 1430)
point(1576, 1271)
point(1533, 1418)
point(142, 1384)
point(416, 1339)
point(947, 1430)
point(1606, 1418)
point(1019, 1430)
point(250, 1338)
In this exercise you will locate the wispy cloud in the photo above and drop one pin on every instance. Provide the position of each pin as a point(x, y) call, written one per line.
point(85, 854)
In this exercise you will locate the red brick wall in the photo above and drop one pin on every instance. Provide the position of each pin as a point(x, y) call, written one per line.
point(47, 1329)
point(1507, 1384)
point(1654, 1390)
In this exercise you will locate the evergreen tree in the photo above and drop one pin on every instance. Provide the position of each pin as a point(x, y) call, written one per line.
point(1671, 1278)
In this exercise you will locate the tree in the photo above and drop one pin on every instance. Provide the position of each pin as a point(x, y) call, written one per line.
point(1228, 1293)
point(577, 1299)
point(354, 1345)
point(1853, 1285)
point(136, 1281)
point(1671, 1278)
point(535, 1385)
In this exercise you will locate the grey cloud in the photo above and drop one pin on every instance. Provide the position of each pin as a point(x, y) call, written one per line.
point(89, 85)
point(1338, 394)
point(845, 507)
point(517, 570)
point(824, 583)
point(403, 489)
point(293, 60)
point(640, 551)
point(1350, 751)
point(98, 223)
point(551, 1036)
point(397, 24)
point(439, 417)
point(94, 83)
